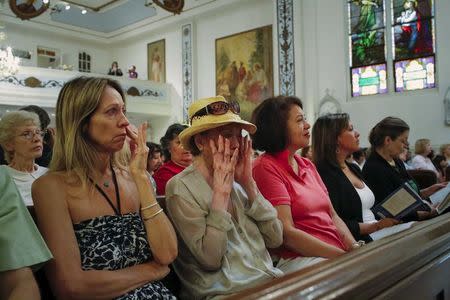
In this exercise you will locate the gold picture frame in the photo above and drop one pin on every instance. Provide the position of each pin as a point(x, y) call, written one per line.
point(156, 61)
point(244, 68)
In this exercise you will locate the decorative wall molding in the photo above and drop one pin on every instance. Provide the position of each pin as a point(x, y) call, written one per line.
point(39, 78)
point(186, 39)
point(286, 60)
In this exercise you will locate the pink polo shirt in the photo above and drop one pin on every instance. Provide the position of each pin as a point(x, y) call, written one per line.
point(305, 193)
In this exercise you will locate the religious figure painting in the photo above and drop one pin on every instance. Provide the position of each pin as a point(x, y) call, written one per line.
point(413, 31)
point(244, 68)
point(366, 29)
point(366, 15)
point(156, 61)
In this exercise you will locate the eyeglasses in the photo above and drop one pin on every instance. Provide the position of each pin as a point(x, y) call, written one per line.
point(218, 108)
point(29, 135)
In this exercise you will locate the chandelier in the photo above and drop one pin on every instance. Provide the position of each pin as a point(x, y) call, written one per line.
point(9, 65)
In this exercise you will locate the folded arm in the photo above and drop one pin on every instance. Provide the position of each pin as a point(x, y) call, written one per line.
point(66, 277)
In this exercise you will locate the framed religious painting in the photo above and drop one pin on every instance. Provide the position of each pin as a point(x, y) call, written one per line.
point(244, 68)
point(156, 61)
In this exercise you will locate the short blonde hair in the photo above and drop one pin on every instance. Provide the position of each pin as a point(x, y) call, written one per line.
point(73, 151)
point(421, 146)
point(8, 124)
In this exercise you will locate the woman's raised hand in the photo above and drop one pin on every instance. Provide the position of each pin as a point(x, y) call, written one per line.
point(243, 173)
point(138, 148)
point(224, 163)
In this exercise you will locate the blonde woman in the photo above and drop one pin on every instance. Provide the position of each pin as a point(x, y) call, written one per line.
point(21, 138)
point(421, 161)
point(108, 235)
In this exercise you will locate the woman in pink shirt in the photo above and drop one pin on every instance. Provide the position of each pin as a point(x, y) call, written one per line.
point(311, 227)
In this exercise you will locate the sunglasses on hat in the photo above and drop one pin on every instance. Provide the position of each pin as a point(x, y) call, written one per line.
point(218, 108)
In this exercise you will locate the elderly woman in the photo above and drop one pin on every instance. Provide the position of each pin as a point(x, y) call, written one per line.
point(177, 158)
point(21, 139)
point(383, 171)
point(21, 246)
point(223, 222)
point(421, 161)
point(311, 227)
point(108, 235)
point(49, 137)
point(334, 139)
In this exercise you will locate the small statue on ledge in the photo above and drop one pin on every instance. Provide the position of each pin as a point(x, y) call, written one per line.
point(132, 72)
point(115, 70)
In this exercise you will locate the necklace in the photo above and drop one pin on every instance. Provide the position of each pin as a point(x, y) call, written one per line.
point(116, 188)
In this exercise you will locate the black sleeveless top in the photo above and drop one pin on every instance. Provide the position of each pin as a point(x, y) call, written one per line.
point(117, 242)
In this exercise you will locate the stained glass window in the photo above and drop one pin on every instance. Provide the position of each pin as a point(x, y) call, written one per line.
point(414, 74)
point(413, 44)
point(369, 80)
point(367, 48)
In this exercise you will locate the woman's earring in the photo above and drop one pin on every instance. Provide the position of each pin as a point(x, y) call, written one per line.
point(337, 150)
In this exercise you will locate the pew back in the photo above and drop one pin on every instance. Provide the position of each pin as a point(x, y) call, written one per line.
point(414, 264)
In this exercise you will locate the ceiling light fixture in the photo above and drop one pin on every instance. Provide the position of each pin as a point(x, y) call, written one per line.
point(45, 1)
point(83, 11)
point(67, 6)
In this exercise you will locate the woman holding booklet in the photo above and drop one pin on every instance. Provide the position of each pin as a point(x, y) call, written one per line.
point(384, 172)
point(333, 140)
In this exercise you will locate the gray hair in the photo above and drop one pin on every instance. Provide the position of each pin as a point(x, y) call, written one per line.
point(8, 124)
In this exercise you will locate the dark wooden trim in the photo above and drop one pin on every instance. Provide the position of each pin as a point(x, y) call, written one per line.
point(376, 268)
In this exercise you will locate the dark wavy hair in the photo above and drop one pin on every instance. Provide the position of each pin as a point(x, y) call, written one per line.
point(270, 117)
point(171, 133)
point(325, 133)
point(153, 148)
point(391, 127)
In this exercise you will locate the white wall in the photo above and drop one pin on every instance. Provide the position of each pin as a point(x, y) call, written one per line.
point(323, 30)
point(25, 38)
point(235, 18)
point(207, 27)
point(320, 50)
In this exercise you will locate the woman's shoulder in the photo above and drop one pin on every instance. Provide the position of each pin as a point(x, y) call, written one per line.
point(54, 179)
point(419, 158)
point(265, 161)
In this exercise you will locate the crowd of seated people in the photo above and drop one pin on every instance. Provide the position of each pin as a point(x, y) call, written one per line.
point(388, 139)
point(335, 139)
point(232, 221)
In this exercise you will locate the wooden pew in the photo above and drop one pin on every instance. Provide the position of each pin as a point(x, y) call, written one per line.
point(414, 264)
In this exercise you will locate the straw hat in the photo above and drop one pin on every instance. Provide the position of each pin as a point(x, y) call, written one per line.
point(203, 123)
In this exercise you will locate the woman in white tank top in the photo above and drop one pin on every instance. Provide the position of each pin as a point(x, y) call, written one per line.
point(334, 140)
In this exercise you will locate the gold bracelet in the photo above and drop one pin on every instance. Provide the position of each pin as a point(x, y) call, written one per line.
point(154, 215)
point(149, 206)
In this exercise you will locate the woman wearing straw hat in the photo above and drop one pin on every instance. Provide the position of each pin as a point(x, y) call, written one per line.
point(223, 222)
